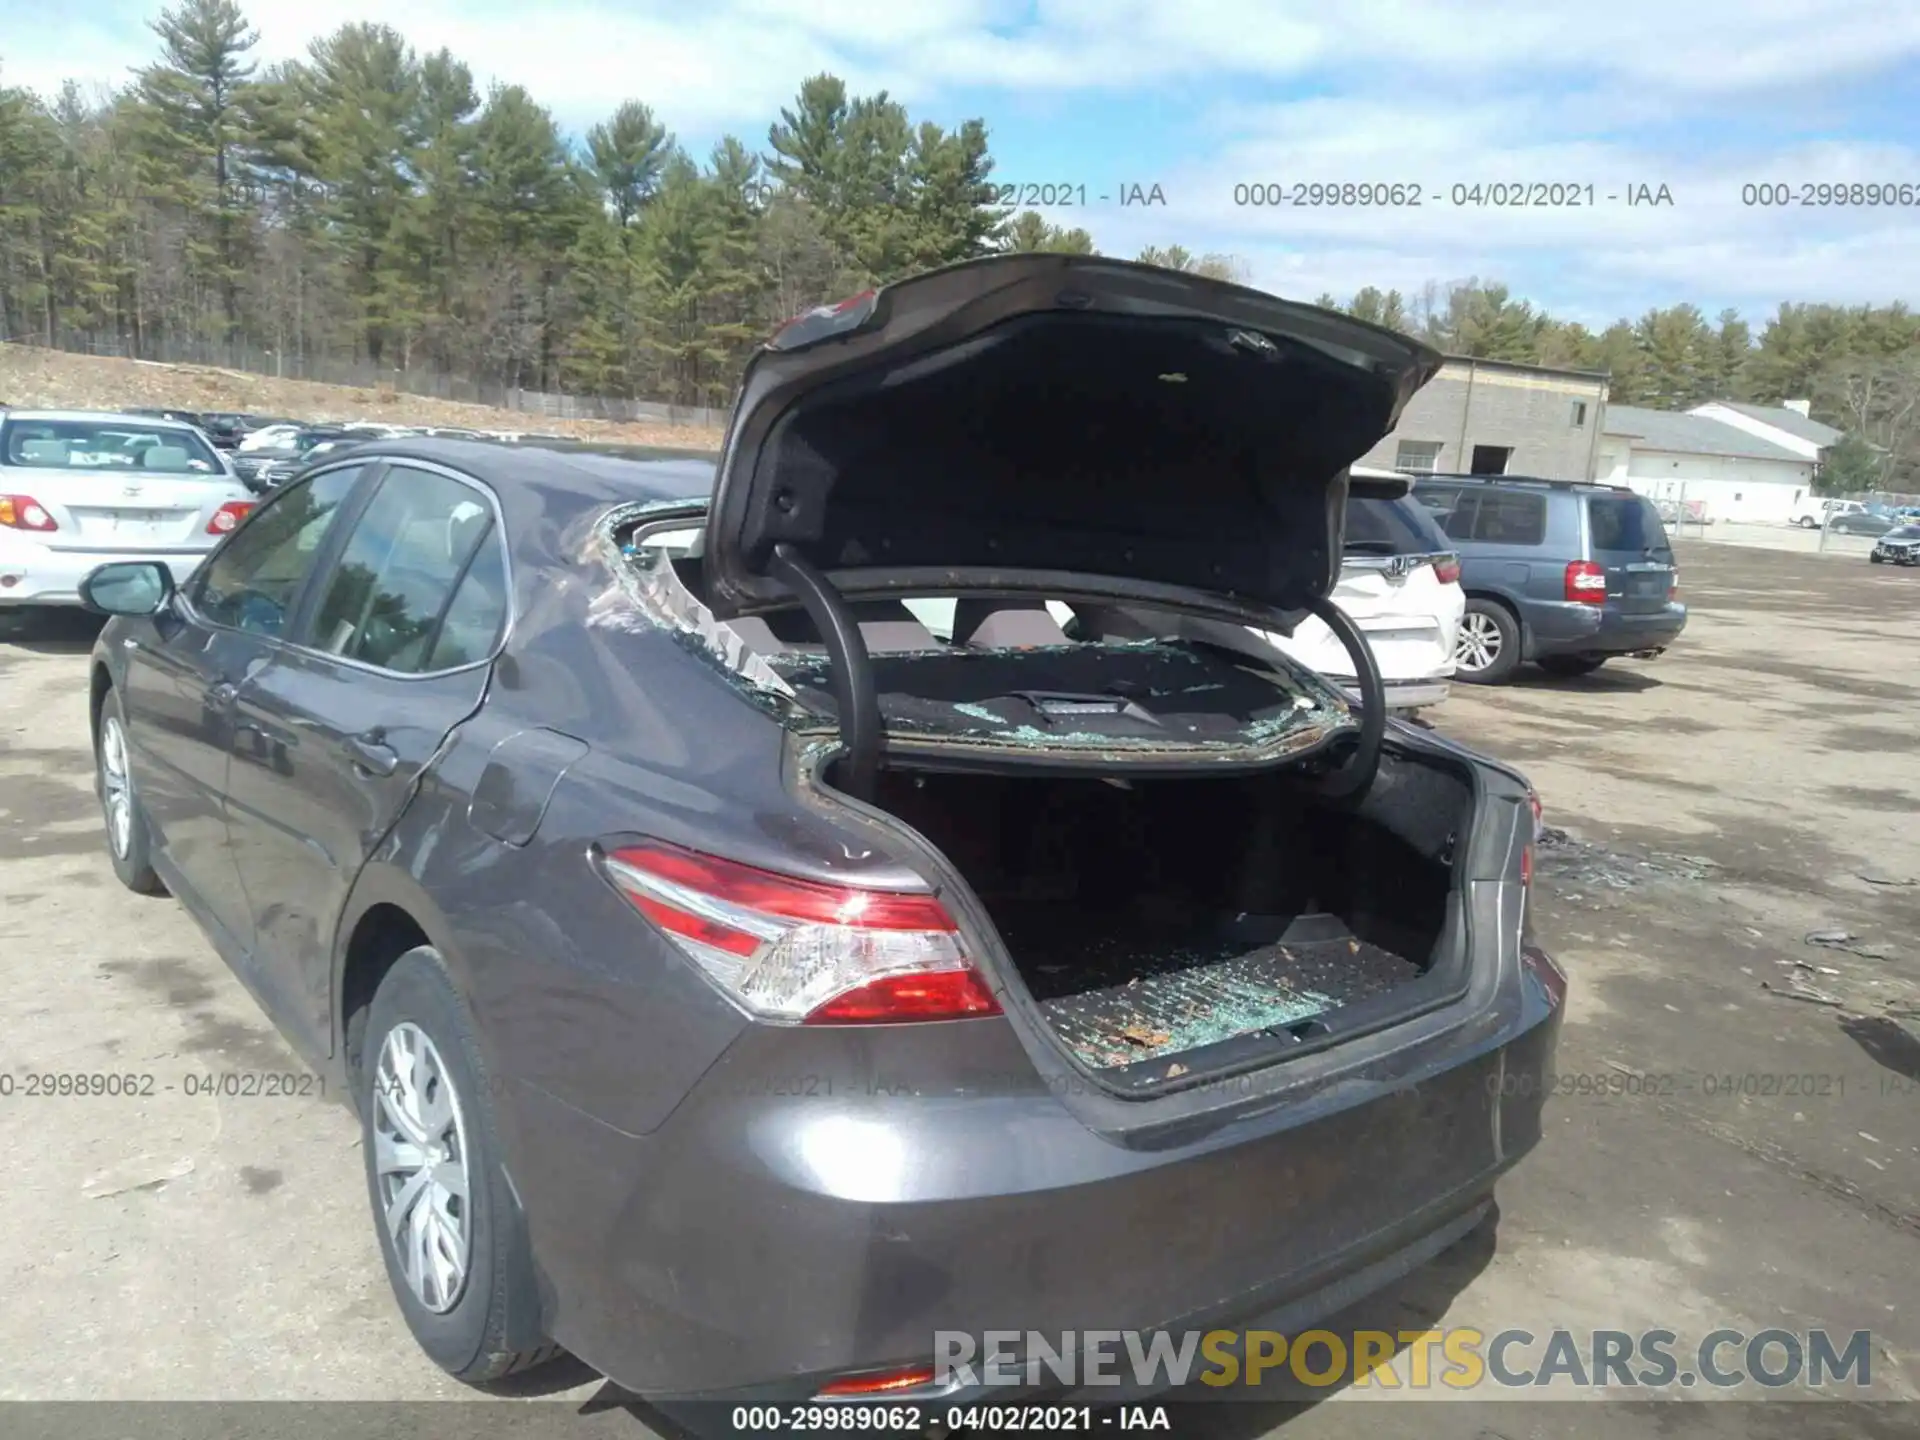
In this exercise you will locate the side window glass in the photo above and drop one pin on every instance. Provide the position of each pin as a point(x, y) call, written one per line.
point(1507, 518)
point(472, 625)
point(1457, 516)
point(251, 584)
point(397, 571)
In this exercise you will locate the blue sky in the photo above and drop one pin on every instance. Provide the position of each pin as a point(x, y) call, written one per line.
point(1201, 95)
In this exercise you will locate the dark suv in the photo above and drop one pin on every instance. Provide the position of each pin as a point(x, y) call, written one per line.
point(1566, 574)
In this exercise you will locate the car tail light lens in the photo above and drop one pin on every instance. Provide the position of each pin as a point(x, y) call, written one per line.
point(797, 951)
point(1539, 824)
point(23, 512)
point(1673, 585)
point(1446, 569)
point(228, 516)
point(1587, 582)
point(886, 1382)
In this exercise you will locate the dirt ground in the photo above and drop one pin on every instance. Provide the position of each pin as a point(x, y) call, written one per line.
point(1752, 1158)
point(32, 378)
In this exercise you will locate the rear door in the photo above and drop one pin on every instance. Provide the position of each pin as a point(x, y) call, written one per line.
point(392, 650)
point(1630, 542)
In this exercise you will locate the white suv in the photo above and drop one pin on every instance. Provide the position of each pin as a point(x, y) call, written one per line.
point(1400, 584)
point(79, 489)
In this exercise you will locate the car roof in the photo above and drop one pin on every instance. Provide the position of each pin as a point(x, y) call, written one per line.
point(124, 417)
point(551, 493)
point(1587, 487)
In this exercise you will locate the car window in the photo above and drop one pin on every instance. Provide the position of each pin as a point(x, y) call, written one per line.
point(478, 611)
point(1391, 527)
point(398, 570)
point(251, 583)
point(1508, 517)
point(107, 445)
point(1625, 522)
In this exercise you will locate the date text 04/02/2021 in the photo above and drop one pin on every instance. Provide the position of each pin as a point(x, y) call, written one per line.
point(896, 1417)
point(1469, 195)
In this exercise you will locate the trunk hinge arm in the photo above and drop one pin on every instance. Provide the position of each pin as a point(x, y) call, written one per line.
point(861, 730)
point(1353, 779)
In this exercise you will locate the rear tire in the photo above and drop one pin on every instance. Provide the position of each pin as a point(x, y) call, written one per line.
point(1570, 664)
point(461, 1266)
point(129, 843)
point(1488, 649)
point(1807, 522)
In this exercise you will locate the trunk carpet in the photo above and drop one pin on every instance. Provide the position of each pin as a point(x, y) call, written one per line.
point(1133, 997)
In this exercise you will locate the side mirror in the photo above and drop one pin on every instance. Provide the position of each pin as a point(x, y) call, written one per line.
point(127, 587)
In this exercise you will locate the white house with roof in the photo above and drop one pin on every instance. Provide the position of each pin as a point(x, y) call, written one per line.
point(1759, 469)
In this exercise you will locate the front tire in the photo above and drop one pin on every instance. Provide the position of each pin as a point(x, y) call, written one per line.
point(1487, 650)
point(1807, 522)
point(129, 842)
point(1571, 664)
point(449, 1230)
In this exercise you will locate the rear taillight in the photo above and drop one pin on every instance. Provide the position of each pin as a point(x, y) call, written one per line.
point(1539, 824)
point(1587, 582)
point(798, 951)
point(885, 1382)
point(23, 512)
point(228, 516)
point(1447, 569)
point(1673, 585)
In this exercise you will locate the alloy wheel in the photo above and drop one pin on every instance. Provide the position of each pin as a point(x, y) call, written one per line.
point(1478, 642)
point(421, 1157)
point(116, 788)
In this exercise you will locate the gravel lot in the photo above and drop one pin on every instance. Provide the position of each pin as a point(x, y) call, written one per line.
point(1756, 784)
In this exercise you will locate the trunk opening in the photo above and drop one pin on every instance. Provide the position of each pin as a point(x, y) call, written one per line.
point(1175, 926)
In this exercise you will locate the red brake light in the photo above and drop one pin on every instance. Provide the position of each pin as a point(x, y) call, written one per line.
point(1526, 854)
point(1447, 569)
point(228, 516)
point(797, 950)
point(1587, 582)
point(884, 1383)
point(23, 512)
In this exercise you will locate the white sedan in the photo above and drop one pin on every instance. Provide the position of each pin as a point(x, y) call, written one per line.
point(80, 489)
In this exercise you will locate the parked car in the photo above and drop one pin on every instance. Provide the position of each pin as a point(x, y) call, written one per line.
point(1899, 546)
point(77, 487)
point(1815, 511)
point(1400, 583)
point(1861, 522)
point(270, 433)
point(1568, 575)
point(264, 466)
point(575, 813)
point(184, 417)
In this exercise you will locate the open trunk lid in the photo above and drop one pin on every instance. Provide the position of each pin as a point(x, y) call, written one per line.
point(1014, 422)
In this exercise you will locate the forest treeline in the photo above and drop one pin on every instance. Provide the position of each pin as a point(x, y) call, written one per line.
point(369, 203)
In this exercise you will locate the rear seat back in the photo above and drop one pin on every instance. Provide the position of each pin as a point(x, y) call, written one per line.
point(990, 625)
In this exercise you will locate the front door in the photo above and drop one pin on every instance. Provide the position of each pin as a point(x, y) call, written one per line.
point(183, 679)
point(392, 653)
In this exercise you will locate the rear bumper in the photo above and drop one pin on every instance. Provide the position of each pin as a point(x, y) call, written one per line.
point(34, 574)
point(795, 1221)
point(1574, 629)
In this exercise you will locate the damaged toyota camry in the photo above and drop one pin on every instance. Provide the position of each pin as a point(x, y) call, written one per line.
point(738, 982)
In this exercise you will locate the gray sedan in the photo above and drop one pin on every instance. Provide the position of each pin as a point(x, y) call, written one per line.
point(738, 985)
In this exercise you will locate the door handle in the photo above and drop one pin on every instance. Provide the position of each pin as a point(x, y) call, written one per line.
point(372, 755)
